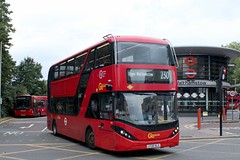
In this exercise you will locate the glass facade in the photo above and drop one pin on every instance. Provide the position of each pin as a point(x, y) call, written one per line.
point(206, 67)
point(197, 75)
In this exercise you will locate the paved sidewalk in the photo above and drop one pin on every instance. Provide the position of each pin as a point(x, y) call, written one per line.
point(209, 128)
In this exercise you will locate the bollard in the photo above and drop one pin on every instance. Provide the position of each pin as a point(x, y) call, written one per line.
point(224, 114)
point(199, 118)
point(239, 112)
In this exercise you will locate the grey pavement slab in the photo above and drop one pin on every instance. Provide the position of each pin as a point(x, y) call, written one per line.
point(209, 127)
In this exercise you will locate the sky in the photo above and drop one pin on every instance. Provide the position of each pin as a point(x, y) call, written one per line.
point(51, 30)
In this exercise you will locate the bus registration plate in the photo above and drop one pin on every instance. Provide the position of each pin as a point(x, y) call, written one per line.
point(154, 145)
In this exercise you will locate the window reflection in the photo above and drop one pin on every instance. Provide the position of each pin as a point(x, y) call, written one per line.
point(144, 53)
point(146, 108)
point(206, 67)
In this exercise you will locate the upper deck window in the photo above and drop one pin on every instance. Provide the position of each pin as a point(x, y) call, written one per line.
point(62, 69)
point(144, 53)
point(103, 55)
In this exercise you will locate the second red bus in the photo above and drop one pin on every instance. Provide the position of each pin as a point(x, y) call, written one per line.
point(30, 106)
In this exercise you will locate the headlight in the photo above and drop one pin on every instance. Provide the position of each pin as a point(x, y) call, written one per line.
point(123, 133)
point(175, 131)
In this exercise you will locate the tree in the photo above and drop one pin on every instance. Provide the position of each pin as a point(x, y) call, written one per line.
point(234, 72)
point(8, 64)
point(28, 75)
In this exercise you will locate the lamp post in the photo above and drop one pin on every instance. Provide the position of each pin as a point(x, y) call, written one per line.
point(233, 96)
point(1, 48)
point(0, 79)
point(221, 77)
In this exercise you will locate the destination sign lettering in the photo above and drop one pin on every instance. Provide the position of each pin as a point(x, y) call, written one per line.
point(149, 76)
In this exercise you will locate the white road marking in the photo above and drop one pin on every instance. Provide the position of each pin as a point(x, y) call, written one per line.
point(13, 132)
point(44, 129)
point(27, 126)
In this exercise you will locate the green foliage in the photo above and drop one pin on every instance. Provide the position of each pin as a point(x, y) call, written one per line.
point(234, 45)
point(20, 89)
point(234, 72)
point(23, 79)
point(8, 64)
point(28, 75)
point(5, 26)
point(41, 88)
point(8, 97)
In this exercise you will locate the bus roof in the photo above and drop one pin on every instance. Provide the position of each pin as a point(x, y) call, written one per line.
point(110, 39)
point(138, 39)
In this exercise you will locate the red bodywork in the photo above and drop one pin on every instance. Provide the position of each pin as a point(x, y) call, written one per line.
point(34, 109)
point(106, 138)
point(233, 102)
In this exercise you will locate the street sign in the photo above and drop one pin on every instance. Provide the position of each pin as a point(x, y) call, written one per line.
point(190, 73)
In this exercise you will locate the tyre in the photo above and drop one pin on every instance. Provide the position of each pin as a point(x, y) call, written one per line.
point(54, 128)
point(90, 138)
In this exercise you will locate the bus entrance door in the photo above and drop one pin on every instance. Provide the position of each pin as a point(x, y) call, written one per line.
point(105, 134)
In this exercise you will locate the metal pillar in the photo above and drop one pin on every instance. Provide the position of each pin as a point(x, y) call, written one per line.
point(0, 79)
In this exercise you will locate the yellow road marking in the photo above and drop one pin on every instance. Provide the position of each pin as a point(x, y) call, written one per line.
point(5, 121)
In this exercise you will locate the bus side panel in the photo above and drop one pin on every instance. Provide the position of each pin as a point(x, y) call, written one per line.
point(104, 134)
point(74, 127)
point(40, 109)
point(100, 78)
point(66, 87)
point(43, 110)
point(60, 124)
point(59, 120)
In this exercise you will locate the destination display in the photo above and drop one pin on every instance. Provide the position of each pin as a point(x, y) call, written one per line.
point(149, 76)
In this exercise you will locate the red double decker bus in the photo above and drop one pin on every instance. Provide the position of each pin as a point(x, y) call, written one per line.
point(30, 106)
point(233, 102)
point(119, 95)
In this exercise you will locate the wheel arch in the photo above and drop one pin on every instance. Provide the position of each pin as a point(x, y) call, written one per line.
point(54, 127)
point(90, 137)
point(87, 128)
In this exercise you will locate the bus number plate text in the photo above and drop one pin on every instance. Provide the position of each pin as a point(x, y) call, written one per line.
point(154, 145)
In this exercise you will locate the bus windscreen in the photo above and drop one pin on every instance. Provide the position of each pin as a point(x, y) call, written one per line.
point(144, 53)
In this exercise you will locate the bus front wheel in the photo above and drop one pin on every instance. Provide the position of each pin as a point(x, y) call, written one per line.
point(54, 128)
point(90, 138)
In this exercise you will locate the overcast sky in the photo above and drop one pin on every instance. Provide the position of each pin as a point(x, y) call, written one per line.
point(50, 30)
